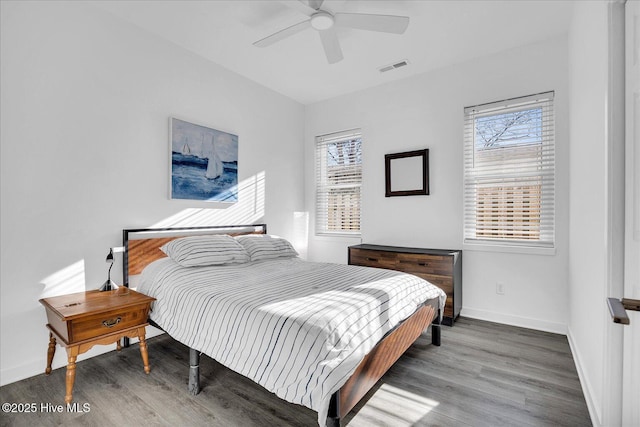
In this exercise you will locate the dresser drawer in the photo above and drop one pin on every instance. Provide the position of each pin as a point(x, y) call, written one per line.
point(443, 282)
point(426, 264)
point(104, 323)
point(369, 258)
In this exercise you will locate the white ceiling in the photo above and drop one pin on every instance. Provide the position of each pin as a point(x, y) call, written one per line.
point(440, 33)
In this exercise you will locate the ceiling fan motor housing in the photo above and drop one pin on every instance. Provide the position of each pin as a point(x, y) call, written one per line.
point(322, 20)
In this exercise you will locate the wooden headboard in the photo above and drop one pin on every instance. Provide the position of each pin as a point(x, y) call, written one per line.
point(142, 246)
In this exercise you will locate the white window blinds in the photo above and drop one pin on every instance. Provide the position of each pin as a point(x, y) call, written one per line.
point(509, 172)
point(338, 182)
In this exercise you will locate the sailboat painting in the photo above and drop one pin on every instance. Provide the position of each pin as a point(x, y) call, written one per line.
point(204, 163)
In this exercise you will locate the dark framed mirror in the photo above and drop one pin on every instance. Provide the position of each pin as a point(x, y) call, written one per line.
point(407, 174)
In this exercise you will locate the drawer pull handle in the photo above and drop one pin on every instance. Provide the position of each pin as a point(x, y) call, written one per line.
point(110, 323)
point(424, 264)
point(372, 259)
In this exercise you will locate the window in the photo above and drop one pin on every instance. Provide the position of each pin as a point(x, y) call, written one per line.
point(509, 168)
point(338, 181)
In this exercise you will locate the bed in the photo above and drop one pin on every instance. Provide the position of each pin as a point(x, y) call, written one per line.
point(316, 334)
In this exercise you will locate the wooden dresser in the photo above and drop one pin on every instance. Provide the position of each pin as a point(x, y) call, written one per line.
point(441, 267)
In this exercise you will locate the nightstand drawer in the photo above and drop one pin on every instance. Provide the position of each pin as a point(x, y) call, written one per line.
point(108, 322)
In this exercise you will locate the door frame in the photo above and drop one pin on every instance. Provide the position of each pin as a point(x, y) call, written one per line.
point(631, 338)
point(614, 212)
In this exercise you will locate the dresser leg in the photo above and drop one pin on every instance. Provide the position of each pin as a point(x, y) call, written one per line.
point(72, 353)
point(143, 351)
point(51, 351)
point(118, 346)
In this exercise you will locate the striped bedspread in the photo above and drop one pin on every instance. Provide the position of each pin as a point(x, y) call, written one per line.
point(297, 328)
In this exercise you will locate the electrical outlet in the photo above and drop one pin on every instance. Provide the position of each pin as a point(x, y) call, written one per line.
point(500, 288)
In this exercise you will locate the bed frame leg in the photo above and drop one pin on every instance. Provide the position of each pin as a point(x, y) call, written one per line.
point(333, 417)
point(333, 422)
point(436, 331)
point(194, 371)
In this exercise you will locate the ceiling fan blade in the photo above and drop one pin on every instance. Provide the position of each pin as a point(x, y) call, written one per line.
point(381, 23)
point(331, 45)
point(316, 4)
point(283, 34)
point(300, 5)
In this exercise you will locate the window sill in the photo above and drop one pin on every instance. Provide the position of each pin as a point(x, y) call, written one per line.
point(338, 236)
point(506, 248)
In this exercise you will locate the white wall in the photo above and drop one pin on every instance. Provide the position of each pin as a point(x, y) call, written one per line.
point(426, 111)
point(588, 199)
point(84, 110)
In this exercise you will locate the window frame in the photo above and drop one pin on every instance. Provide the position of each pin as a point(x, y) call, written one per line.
point(324, 188)
point(476, 177)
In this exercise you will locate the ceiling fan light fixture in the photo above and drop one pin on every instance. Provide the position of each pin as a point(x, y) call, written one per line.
point(322, 20)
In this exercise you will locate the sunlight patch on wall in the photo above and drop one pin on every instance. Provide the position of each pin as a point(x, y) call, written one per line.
point(300, 239)
point(65, 281)
point(248, 210)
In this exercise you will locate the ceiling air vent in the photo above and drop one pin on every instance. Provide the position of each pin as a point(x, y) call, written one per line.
point(393, 66)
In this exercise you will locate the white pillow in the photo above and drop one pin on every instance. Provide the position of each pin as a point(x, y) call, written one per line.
point(264, 246)
point(195, 251)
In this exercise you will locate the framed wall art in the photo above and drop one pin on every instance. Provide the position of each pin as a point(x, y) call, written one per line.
point(204, 163)
point(407, 174)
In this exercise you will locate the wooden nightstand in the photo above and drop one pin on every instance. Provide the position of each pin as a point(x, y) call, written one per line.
point(81, 320)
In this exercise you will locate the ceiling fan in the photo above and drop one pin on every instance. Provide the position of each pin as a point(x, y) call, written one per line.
point(325, 22)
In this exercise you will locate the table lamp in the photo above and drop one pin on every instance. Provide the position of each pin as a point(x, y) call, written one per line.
point(110, 285)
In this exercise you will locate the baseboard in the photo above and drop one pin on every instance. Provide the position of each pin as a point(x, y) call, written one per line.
point(508, 319)
point(594, 412)
point(36, 366)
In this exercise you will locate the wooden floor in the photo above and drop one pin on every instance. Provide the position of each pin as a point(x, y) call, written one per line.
point(484, 374)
